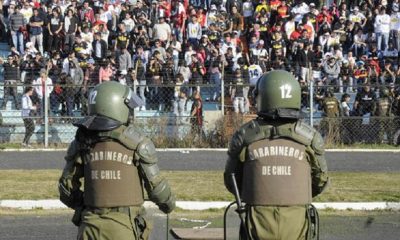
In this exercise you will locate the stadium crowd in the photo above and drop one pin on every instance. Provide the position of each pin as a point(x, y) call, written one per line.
point(159, 47)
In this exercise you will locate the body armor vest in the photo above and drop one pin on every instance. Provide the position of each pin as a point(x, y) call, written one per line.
point(383, 107)
point(276, 172)
point(111, 178)
point(331, 107)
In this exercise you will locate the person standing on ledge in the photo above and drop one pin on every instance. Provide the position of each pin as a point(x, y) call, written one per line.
point(27, 107)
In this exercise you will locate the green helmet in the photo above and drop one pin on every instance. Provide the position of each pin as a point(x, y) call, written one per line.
point(112, 100)
point(383, 92)
point(329, 92)
point(278, 95)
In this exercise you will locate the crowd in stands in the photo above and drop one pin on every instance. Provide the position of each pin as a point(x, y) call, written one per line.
point(161, 46)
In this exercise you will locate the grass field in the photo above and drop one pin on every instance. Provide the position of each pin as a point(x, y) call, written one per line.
point(208, 186)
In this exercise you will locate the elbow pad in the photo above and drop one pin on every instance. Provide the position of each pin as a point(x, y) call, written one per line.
point(162, 196)
point(150, 173)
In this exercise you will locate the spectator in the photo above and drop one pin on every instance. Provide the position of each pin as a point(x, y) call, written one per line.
point(392, 54)
point(345, 78)
point(27, 108)
point(27, 11)
point(122, 41)
point(17, 27)
point(36, 23)
point(194, 32)
point(332, 70)
point(124, 60)
point(180, 99)
point(54, 26)
point(184, 69)
point(382, 29)
point(215, 73)
point(70, 30)
point(12, 76)
point(86, 12)
point(237, 93)
point(305, 58)
point(388, 74)
point(357, 17)
point(154, 73)
point(345, 105)
point(395, 24)
point(198, 70)
point(128, 22)
point(364, 102)
point(159, 48)
point(360, 44)
point(162, 31)
point(99, 47)
point(139, 62)
point(91, 75)
point(43, 87)
point(196, 114)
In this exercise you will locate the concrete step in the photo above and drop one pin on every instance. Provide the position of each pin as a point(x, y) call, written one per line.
point(58, 133)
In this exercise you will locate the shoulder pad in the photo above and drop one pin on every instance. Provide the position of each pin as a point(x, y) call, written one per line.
point(305, 132)
point(317, 143)
point(147, 151)
point(128, 136)
point(131, 137)
point(253, 131)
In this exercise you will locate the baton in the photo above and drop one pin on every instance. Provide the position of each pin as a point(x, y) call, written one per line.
point(240, 207)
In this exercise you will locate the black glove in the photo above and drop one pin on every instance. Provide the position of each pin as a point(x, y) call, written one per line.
point(168, 206)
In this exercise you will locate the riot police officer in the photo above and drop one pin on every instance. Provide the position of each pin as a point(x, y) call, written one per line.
point(115, 160)
point(382, 111)
point(278, 162)
point(331, 112)
point(330, 104)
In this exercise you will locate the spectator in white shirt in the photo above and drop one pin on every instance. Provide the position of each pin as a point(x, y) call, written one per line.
point(162, 31)
point(290, 26)
point(129, 23)
point(299, 11)
point(194, 32)
point(357, 17)
point(395, 28)
point(43, 87)
point(382, 29)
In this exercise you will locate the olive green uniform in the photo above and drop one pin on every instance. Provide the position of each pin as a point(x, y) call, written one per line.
point(281, 199)
point(331, 107)
point(330, 122)
point(278, 162)
point(383, 122)
point(114, 162)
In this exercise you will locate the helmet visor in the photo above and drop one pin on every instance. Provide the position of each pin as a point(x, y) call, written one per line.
point(133, 100)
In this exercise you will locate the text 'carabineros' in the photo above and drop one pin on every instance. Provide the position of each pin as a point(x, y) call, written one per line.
point(283, 151)
point(111, 156)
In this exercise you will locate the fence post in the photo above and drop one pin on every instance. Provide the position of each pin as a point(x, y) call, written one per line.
point(134, 91)
point(311, 102)
point(222, 90)
point(46, 116)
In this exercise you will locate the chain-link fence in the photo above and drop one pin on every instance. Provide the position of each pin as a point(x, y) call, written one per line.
point(171, 114)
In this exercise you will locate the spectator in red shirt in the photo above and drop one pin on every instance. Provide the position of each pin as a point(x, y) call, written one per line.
point(86, 11)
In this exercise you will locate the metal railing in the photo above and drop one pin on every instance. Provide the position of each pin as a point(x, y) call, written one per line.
point(167, 114)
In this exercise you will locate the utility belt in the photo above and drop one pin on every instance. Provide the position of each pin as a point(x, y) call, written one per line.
point(101, 211)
